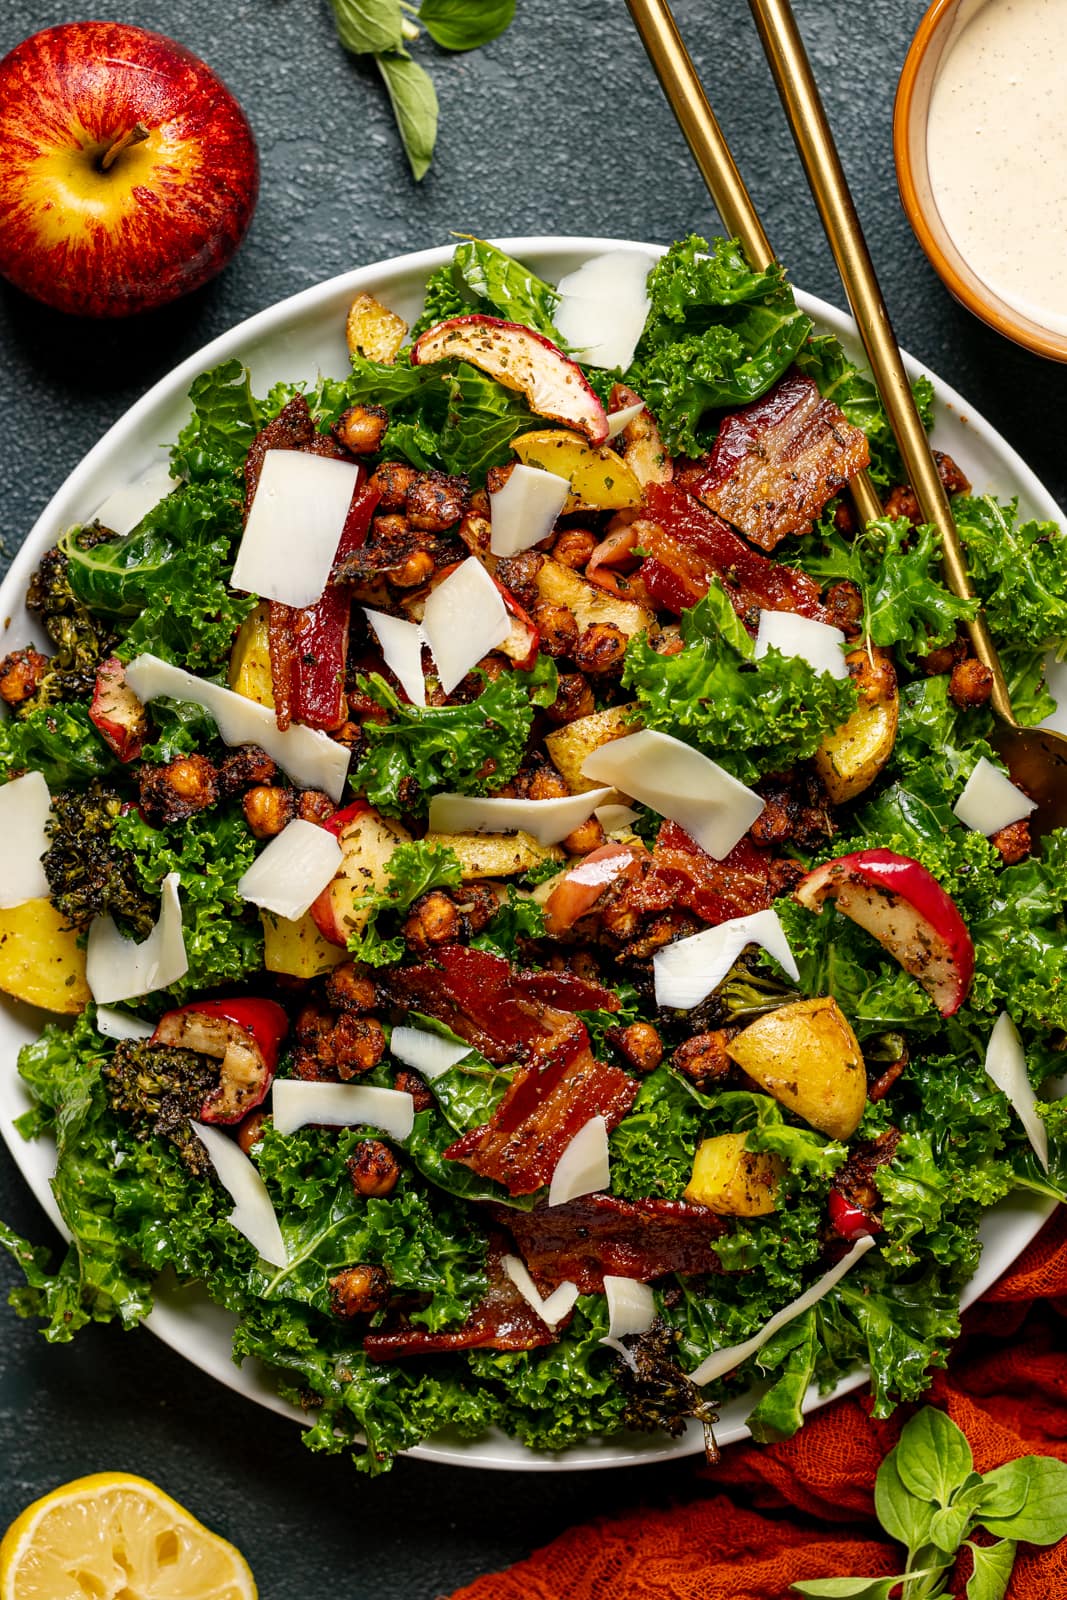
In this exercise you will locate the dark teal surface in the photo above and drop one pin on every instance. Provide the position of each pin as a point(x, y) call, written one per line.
point(559, 127)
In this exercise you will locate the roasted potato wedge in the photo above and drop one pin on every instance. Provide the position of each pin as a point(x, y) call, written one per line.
point(249, 672)
point(297, 948)
point(572, 745)
point(600, 479)
point(850, 758)
point(558, 585)
point(41, 960)
point(372, 330)
point(496, 855)
point(734, 1181)
point(807, 1056)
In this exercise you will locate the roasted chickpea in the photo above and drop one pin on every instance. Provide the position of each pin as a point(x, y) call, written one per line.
point(373, 1169)
point(573, 547)
point(640, 1044)
point(703, 1058)
point(349, 990)
point(359, 1291)
point(432, 920)
point(362, 428)
point(268, 811)
point(971, 683)
point(574, 699)
point(558, 628)
point(600, 649)
point(588, 836)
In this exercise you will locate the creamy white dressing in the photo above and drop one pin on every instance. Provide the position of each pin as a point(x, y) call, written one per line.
point(997, 150)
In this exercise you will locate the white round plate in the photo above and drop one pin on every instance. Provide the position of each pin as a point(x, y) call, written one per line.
point(296, 340)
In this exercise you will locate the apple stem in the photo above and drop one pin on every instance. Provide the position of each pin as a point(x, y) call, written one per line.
point(134, 135)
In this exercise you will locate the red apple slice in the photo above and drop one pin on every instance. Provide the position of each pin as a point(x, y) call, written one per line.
point(116, 713)
point(367, 842)
point(520, 359)
point(905, 908)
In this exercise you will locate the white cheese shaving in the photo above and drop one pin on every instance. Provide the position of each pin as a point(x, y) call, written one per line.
point(25, 806)
point(631, 1306)
point(547, 821)
point(253, 1214)
point(613, 818)
point(427, 1052)
point(464, 618)
point(125, 507)
point(294, 526)
point(679, 783)
point(723, 1361)
point(120, 969)
point(793, 635)
point(401, 645)
point(603, 306)
point(304, 754)
point(1005, 1064)
point(990, 801)
point(618, 420)
point(524, 511)
point(584, 1167)
point(687, 971)
point(551, 1309)
point(296, 1102)
point(120, 1025)
point(293, 870)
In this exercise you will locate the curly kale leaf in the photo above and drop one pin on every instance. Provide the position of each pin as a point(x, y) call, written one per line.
point(1021, 941)
point(718, 334)
point(823, 358)
point(210, 851)
point(58, 741)
point(652, 1148)
point(226, 418)
point(481, 278)
point(472, 749)
point(1019, 569)
point(412, 870)
point(751, 717)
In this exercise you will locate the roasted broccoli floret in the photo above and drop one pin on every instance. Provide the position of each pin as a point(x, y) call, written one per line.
point(81, 640)
point(659, 1396)
point(159, 1087)
point(87, 872)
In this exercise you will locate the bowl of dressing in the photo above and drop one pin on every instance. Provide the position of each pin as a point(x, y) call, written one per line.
point(980, 139)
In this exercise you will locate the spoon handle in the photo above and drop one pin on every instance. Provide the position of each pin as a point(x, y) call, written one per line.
point(792, 72)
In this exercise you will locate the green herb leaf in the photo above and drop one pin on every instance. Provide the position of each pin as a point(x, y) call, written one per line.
point(412, 870)
point(947, 1527)
point(414, 102)
point(1004, 1489)
point(367, 27)
point(903, 1515)
point(850, 1588)
point(992, 1569)
point(1042, 1518)
point(465, 24)
point(933, 1456)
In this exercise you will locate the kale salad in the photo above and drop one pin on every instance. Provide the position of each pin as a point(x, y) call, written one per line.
point(536, 924)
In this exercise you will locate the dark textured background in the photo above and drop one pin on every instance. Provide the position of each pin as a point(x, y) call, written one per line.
point(559, 127)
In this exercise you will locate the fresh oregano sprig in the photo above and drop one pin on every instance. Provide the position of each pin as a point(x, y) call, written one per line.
point(384, 28)
point(929, 1498)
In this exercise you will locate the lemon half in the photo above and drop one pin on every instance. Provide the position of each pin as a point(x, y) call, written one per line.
point(114, 1535)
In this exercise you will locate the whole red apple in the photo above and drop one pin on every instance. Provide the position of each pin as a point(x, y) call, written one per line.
point(128, 172)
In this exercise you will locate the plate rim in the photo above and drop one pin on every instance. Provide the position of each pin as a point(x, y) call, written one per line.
point(174, 1318)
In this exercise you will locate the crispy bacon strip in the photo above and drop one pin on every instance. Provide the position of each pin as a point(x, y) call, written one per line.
point(682, 874)
point(503, 1321)
point(600, 1234)
point(546, 1105)
point(688, 546)
point(778, 461)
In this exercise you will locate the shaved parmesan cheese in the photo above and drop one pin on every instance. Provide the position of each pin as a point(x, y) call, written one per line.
point(120, 1025)
point(1005, 1063)
point(463, 620)
point(793, 635)
point(296, 1102)
point(427, 1052)
point(603, 306)
point(294, 526)
point(584, 1167)
point(990, 801)
point(125, 507)
point(552, 1309)
point(304, 754)
point(547, 821)
point(524, 511)
point(723, 1361)
point(253, 1214)
point(401, 644)
point(120, 969)
point(687, 971)
point(679, 783)
point(618, 420)
point(613, 818)
point(25, 806)
point(293, 870)
point(631, 1306)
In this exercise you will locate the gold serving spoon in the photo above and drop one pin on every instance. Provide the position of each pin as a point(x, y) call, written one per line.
point(1035, 757)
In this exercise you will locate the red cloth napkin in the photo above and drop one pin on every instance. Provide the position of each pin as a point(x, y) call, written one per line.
point(1005, 1386)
